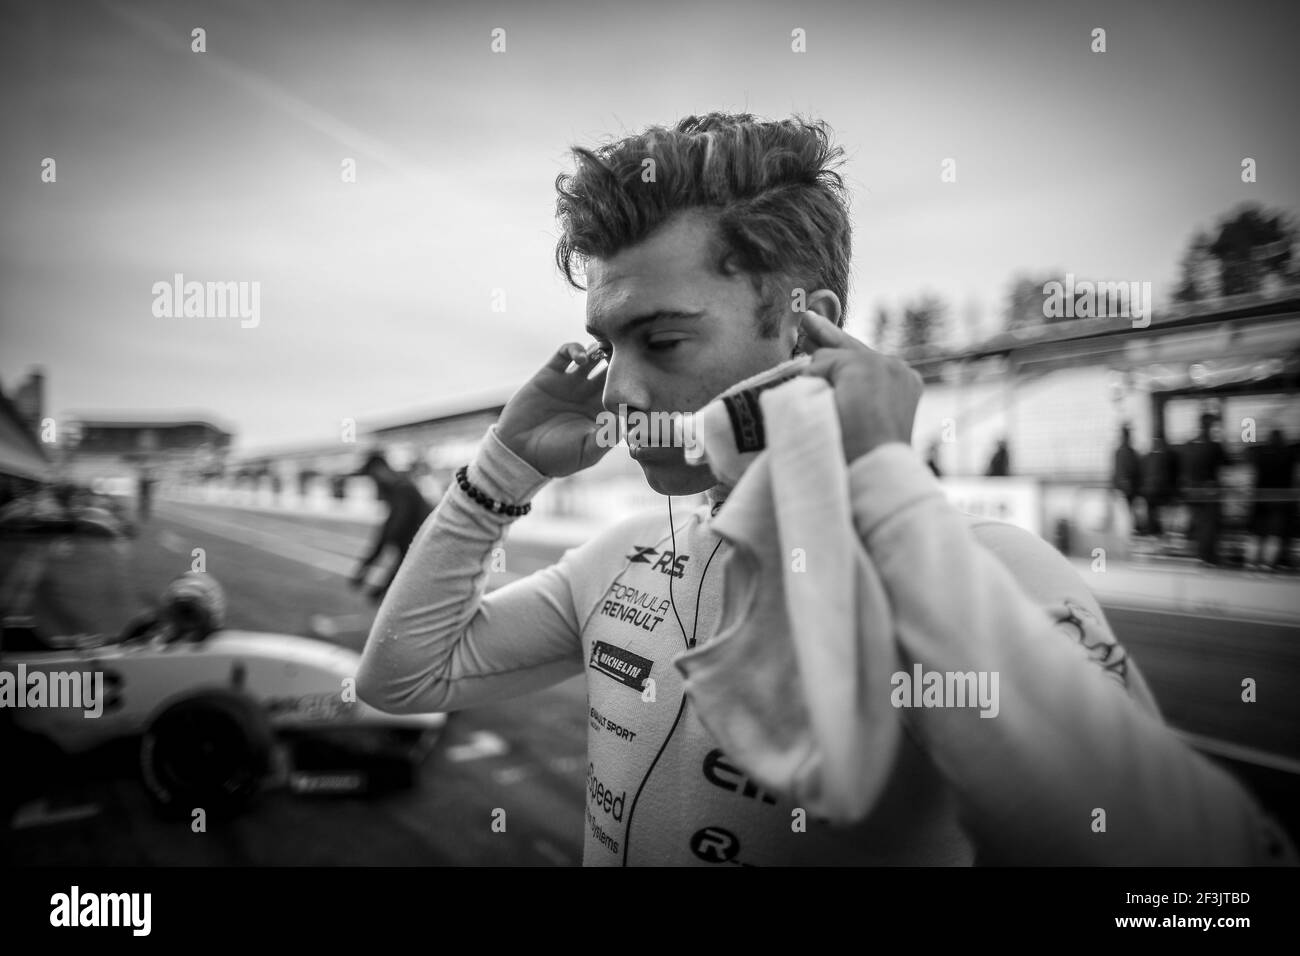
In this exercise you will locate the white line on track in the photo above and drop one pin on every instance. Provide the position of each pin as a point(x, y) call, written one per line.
point(172, 541)
point(1207, 614)
point(552, 853)
point(482, 743)
point(512, 775)
point(565, 764)
point(38, 814)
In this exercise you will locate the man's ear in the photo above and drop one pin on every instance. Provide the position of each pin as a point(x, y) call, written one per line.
point(826, 304)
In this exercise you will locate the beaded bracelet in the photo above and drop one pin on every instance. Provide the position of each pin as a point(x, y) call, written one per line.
point(491, 504)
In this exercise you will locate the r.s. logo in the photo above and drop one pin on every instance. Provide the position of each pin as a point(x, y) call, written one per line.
point(668, 563)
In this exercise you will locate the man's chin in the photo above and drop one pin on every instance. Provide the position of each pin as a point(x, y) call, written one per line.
point(670, 475)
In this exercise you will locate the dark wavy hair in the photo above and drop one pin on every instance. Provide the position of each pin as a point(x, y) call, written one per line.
point(777, 204)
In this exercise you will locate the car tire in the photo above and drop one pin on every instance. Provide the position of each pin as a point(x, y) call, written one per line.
point(211, 751)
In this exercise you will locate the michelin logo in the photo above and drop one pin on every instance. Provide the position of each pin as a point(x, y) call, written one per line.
point(620, 664)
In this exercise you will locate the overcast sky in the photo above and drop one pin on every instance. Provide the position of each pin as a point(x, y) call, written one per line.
point(376, 297)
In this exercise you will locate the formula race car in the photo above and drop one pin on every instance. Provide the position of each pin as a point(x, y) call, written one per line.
point(218, 714)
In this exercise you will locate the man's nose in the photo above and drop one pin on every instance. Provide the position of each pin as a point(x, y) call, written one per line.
point(624, 386)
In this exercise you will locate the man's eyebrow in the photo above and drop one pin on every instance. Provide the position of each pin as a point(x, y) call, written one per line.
point(636, 322)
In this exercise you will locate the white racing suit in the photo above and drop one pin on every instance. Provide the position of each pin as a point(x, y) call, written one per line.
point(1077, 730)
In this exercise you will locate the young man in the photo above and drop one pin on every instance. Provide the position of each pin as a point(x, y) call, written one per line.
point(690, 281)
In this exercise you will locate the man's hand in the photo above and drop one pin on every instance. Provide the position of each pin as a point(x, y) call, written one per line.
point(551, 421)
point(358, 579)
point(876, 395)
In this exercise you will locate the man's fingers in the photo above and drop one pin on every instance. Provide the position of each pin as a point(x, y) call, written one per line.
point(820, 332)
point(832, 364)
point(564, 356)
point(823, 364)
point(588, 359)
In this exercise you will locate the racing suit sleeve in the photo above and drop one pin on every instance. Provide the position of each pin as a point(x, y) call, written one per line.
point(1071, 736)
point(439, 644)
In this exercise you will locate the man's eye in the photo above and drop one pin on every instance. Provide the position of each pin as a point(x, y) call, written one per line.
point(664, 345)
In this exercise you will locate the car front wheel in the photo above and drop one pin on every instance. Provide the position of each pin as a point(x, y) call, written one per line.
point(210, 752)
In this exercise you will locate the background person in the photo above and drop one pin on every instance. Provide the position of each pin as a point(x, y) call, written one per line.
point(1000, 463)
point(1272, 517)
point(407, 509)
point(1159, 482)
point(1202, 459)
point(144, 492)
point(1126, 474)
